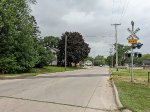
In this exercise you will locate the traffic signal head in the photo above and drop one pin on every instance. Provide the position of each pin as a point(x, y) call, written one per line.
point(127, 55)
point(135, 54)
point(139, 55)
point(134, 46)
point(139, 45)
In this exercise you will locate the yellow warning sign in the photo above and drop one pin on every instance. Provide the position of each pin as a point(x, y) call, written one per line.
point(132, 41)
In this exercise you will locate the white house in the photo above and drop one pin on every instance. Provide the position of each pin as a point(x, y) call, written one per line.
point(54, 51)
point(88, 63)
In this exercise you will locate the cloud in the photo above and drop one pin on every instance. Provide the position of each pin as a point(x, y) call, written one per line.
point(93, 19)
point(78, 18)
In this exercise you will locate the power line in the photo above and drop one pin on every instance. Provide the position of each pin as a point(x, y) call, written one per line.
point(126, 4)
point(116, 10)
point(119, 12)
point(123, 9)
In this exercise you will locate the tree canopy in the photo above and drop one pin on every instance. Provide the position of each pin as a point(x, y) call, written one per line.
point(77, 48)
point(17, 52)
point(51, 41)
point(122, 49)
point(99, 60)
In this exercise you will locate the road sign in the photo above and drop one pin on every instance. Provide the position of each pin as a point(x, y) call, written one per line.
point(130, 31)
point(129, 37)
point(136, 30)
point(132, 41)
point(132, 37)
point(133, 32)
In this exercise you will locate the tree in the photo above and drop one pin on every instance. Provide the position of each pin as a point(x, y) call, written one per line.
point(99, 60)
point(77, 49)
point(51, 41)
point(45, 56)
point(108, 60)
point(146, 56)
point(122, 50)
point(17, 52)
point(139, 61)
point(89, 58)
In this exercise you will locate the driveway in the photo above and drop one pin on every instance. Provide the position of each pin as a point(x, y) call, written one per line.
point(87, 90)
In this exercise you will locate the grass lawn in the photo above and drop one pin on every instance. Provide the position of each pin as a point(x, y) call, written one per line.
point(134, 96)
point(139, 75)
point(36, 71)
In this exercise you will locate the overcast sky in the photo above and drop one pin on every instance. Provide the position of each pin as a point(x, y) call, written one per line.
point(93, 19)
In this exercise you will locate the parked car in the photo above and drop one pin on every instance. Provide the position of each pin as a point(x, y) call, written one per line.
point(101, 65)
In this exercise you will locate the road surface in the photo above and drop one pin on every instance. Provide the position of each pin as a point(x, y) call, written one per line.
point(87, 90)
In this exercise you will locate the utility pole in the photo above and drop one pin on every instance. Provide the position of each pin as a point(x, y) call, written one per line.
point(65, 52)
point(116, 45)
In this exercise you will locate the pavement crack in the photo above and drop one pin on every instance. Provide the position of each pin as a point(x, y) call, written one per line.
point(91, 96)
point(71, 105)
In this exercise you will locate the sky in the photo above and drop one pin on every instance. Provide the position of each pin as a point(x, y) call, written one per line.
point(93, 19)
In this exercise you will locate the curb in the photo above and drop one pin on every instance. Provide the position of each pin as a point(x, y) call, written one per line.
point(14, 77)
point(115, 91)
point(53, 73)
point(23, 77)
point(117, 100)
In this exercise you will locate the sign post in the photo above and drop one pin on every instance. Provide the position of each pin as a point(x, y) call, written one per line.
point(132, 39)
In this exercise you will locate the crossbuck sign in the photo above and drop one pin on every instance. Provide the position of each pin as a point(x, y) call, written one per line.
point(132, 39)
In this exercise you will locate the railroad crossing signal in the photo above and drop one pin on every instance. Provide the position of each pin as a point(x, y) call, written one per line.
point(133, 34)
point(132, 39)
point(136, 30)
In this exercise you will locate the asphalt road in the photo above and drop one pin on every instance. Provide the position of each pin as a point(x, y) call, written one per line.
point(87, 90)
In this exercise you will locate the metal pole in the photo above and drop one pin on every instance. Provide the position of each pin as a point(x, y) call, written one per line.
point(112, 61)
point(132, 23)
point(65, 52)
point(148, 77)
point(131, 64)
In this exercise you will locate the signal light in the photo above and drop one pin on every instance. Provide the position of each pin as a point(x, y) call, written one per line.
point(139, 55)
point(129, 54)
point(136, 54)
point(134, 46)
point(139, 45)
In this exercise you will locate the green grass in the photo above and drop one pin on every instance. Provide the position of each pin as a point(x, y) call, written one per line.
point(133, 96)
point(125, 72)
point(36, 71)
point(53, 69)
point(138, 74)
